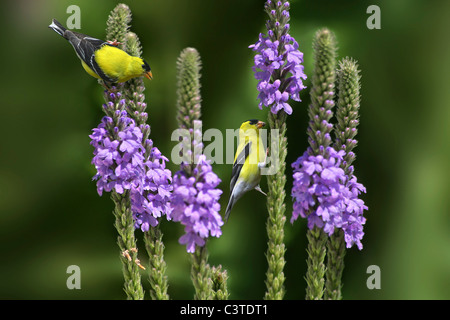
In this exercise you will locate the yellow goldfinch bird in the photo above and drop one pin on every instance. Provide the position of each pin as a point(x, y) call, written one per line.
point(248, 161)
point(102, 59)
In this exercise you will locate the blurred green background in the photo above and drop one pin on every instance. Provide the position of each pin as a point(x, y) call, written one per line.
point(51, 216)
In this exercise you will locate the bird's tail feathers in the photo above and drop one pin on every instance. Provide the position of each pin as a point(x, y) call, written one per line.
point(229, 207)
point(57, 27)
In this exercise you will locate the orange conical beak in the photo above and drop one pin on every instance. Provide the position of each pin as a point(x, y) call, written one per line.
point(149, 75)
point(260, 124)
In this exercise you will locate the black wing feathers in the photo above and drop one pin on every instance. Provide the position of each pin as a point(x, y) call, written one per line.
point(85, 47)
point(238, 164)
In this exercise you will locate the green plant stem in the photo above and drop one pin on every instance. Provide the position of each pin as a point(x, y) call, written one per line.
point(335, 265)
point(316, 268)
point(201, 274)
point(157, 265)
point(276, 207)
point(124, 224)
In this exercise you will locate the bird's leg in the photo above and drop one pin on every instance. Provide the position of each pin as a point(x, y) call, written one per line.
point(258, 188)
point(105, 86)
point(114, 43)
point(112, 89)
point(262, 164)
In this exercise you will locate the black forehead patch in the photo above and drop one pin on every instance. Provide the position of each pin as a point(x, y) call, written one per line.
point(253, 121)
point(145, 65)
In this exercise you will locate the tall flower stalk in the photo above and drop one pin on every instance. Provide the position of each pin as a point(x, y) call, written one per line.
point(117, 24)
point(347, 115)
point(319, 129)
point(136, 107)
point(325, 191)
point(131, 168)
point(280, 73)
point(117, 143)
point(195, 199)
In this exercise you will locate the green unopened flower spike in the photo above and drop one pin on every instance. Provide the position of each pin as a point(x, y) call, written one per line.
point(347, 112)
point(134, 88)
point(189, 99)
point(322, 91)
point(118, 24)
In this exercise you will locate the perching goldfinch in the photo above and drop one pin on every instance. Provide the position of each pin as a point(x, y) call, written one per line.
point(102, 59)
point(248, 161)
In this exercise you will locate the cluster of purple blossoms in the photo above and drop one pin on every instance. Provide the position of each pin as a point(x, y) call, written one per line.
point(324, 195)
point(278, 62)
point(195, 203)
point(152, 199)
point(119, 157)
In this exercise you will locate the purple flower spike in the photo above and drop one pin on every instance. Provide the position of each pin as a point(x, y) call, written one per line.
point(323, 195)
point(118, 161)
point(278, 62)
point(195, 204)
point(122, 165)
point(151, 198)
